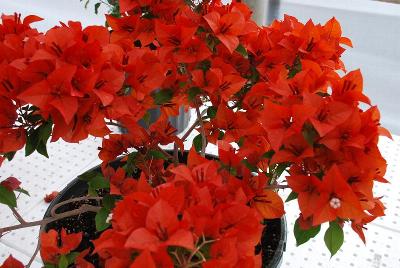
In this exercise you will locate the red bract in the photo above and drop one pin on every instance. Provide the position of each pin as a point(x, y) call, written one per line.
point(50, 197)
point(51, 249)
point(11, 262)
point(11, 183)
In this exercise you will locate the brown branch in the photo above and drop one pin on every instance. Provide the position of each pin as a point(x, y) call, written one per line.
point(202, 132)
point(277, 186)
point(192, 127)
point(72, 200)
point(34, 254)
point(84, 208)
point(17, 215)
point(110, 123)
point(166, 154)
point(176, 158)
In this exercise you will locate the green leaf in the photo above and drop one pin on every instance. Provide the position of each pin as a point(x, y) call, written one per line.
point(157, 154)
point(280, 168)
point(96, 8)
point(302, 236)
point(240, 142)
point(295, 68)
point(221, 135)
point(205, 65)
point(87, 176)
point(198, 142)
point(63, 262)
point(45, 131)
point(242, 51)
point(9, 155)
point(49, 265)
point(33, 118)
point(269, 154)
point(109, 201)
point(71, 257)
point(130, 166)
point(212, 112)
point(7, 197)
point(37, 139)
point(292, 196)
point(334, 237)
point(96, 183)
point(101, 218)
point(249, 166)
point(309, 134)
point(146, 119)
point(193, 92)
point(42, 149)
point(162, 96)
point(22, 191)
point(32, 141)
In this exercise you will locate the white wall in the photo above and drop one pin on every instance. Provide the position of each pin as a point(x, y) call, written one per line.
point(374, 28)
point(54, 11)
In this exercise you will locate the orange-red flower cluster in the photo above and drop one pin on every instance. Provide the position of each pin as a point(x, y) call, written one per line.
point(198, 204)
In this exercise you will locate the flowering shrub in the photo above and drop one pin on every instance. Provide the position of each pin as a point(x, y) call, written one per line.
point(272, 98)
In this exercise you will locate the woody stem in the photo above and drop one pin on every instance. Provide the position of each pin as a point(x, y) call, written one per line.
point(17, 215)
point(202, 132)
point(110, 123)
point(176, 159)
point(84, 208)
point(72, 200)
point(34, 255)
point(192, 127)
point(277, 186)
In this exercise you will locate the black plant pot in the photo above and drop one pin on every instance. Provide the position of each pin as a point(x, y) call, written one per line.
point(272, 245)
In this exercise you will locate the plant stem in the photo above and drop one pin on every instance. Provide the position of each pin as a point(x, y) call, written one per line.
point(34, 255)
point(17, 215)
point(72, 200)
point(166, 154)
point(110, 123)
point(84, 208)
point(277, 186)
point(176, 158)
point(202, 132)
point(192, 127)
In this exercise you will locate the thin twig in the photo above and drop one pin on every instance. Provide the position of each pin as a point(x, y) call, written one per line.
point(72, 200)
point(17, 215)
point(192, 127)
point(176, 158)
point(277, 186)
point(202, 132)
point(34, 254)
point(84, 208)
point(110, 123)
point(196, 251)
point(170, 157)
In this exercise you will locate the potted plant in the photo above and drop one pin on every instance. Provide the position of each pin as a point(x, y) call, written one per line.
point(273, 99)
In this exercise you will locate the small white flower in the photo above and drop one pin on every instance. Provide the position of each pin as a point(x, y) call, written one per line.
point(109, 218)
point(335, 203)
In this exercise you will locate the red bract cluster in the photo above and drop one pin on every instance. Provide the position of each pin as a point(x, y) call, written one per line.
point(198, 205)
point(274, 100)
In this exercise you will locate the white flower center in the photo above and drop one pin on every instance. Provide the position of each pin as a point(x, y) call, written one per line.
point(335, 203)
point(109, 218)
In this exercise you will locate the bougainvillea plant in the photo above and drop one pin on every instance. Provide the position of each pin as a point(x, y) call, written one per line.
point(275, 100)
